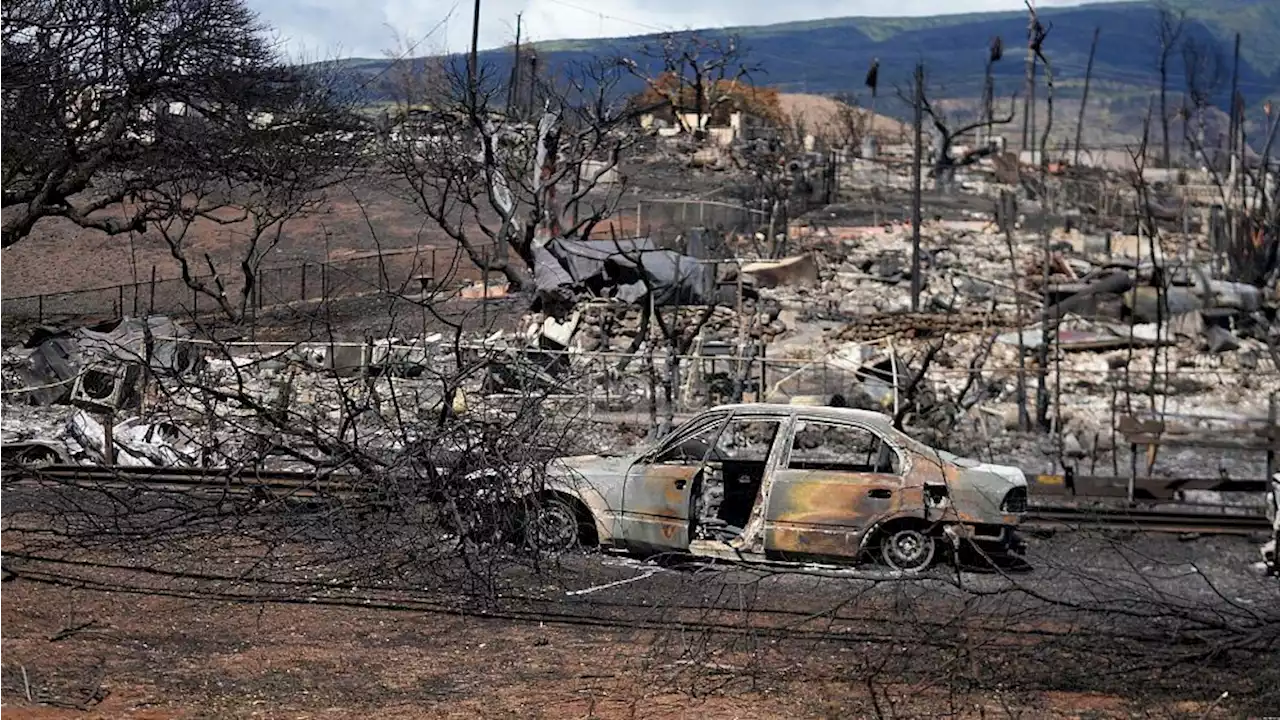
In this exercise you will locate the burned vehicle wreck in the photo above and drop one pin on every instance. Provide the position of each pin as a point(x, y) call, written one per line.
point(784, 483)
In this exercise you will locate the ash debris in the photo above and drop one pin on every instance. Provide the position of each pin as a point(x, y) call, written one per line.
point(1013, 296)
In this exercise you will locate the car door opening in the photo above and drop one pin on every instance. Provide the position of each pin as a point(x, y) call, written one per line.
point(728, 488)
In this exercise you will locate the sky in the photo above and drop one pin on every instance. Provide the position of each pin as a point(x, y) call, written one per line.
point(323, 29)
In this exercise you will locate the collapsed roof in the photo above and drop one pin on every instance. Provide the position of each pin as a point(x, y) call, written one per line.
point(628, 269)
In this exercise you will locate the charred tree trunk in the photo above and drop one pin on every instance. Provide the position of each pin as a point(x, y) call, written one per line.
point(1084, 98)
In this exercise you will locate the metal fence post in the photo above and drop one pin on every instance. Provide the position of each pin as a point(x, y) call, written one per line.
point(120, 292)
point(764, 364)
point(484, 289)
point(152, 306)
point(40, 309)
point(1271, 438)
point(303, 291)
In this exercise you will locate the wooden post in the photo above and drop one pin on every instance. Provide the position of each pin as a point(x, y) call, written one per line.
point(108, 439)
point(120, 290)
point(1133, 469)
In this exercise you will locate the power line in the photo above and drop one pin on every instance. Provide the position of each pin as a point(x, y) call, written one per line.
point(396, 59)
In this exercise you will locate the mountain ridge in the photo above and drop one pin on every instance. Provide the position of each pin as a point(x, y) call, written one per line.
point(830, 56)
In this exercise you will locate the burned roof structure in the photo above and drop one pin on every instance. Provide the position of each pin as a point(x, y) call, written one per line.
point(628, 269)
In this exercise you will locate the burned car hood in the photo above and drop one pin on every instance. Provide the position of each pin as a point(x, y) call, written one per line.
point(593, 465)
point(601, 474)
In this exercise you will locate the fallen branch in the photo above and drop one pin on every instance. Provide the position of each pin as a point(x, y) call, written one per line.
point(1003, 286)
point(65, 633)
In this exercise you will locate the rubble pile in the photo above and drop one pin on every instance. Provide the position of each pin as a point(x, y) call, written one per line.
point(274, 408)
point(618, 327)
point(1116, 323)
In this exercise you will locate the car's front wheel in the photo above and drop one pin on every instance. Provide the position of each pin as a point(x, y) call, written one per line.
point(908, 549)
point(553, 526)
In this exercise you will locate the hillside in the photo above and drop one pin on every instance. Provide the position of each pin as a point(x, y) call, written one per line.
point(831, 56)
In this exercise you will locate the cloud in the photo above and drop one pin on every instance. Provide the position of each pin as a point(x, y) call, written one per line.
point(316, 29)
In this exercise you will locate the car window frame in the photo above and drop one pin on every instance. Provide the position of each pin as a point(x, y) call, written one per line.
point(694, 426)
point(885, 438)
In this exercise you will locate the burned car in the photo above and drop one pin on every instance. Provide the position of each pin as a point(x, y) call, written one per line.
point(783, 483)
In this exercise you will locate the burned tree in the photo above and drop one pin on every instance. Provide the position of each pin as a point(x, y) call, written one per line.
point(128, 118)
point(692, 77)
point(1169, 26)
point(780, 180)
point(1203, 68)
point(945, 162)
point(499, 186)
point(853, 123)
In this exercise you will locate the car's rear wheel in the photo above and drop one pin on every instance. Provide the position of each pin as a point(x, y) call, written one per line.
point(553, 527)
point(908, 549)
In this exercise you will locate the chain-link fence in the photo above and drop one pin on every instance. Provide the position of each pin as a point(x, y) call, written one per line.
point(396, 271)
point(659, 218)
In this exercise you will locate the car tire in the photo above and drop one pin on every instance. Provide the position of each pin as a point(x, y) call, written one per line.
point(553, 527)
point(908, 549)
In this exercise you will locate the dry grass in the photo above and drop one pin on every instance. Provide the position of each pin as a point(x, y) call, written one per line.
point(821, 115)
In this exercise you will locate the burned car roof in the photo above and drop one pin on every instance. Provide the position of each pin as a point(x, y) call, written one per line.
point(880, 420)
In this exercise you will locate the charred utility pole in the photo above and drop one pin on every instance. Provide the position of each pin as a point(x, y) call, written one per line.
point(1084, 98)
point(472, 67)
point(1029, 100)
point(1235, 93)
point(532, 103)
point(873, 81)
point(513, 86)
point(994, 53)
point(915, 188)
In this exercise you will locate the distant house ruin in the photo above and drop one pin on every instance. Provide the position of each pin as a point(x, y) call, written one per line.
point(723, 125)
point(724, 112)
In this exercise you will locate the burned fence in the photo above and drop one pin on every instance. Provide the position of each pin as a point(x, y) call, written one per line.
point(400, 271)
point(668, 218)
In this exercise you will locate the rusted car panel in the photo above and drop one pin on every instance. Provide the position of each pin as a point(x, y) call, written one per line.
point(651, 500)
point(597, 482)
point(657, 506)
point(813, 512)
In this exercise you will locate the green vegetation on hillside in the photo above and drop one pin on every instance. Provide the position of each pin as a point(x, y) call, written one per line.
point(831, 55)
